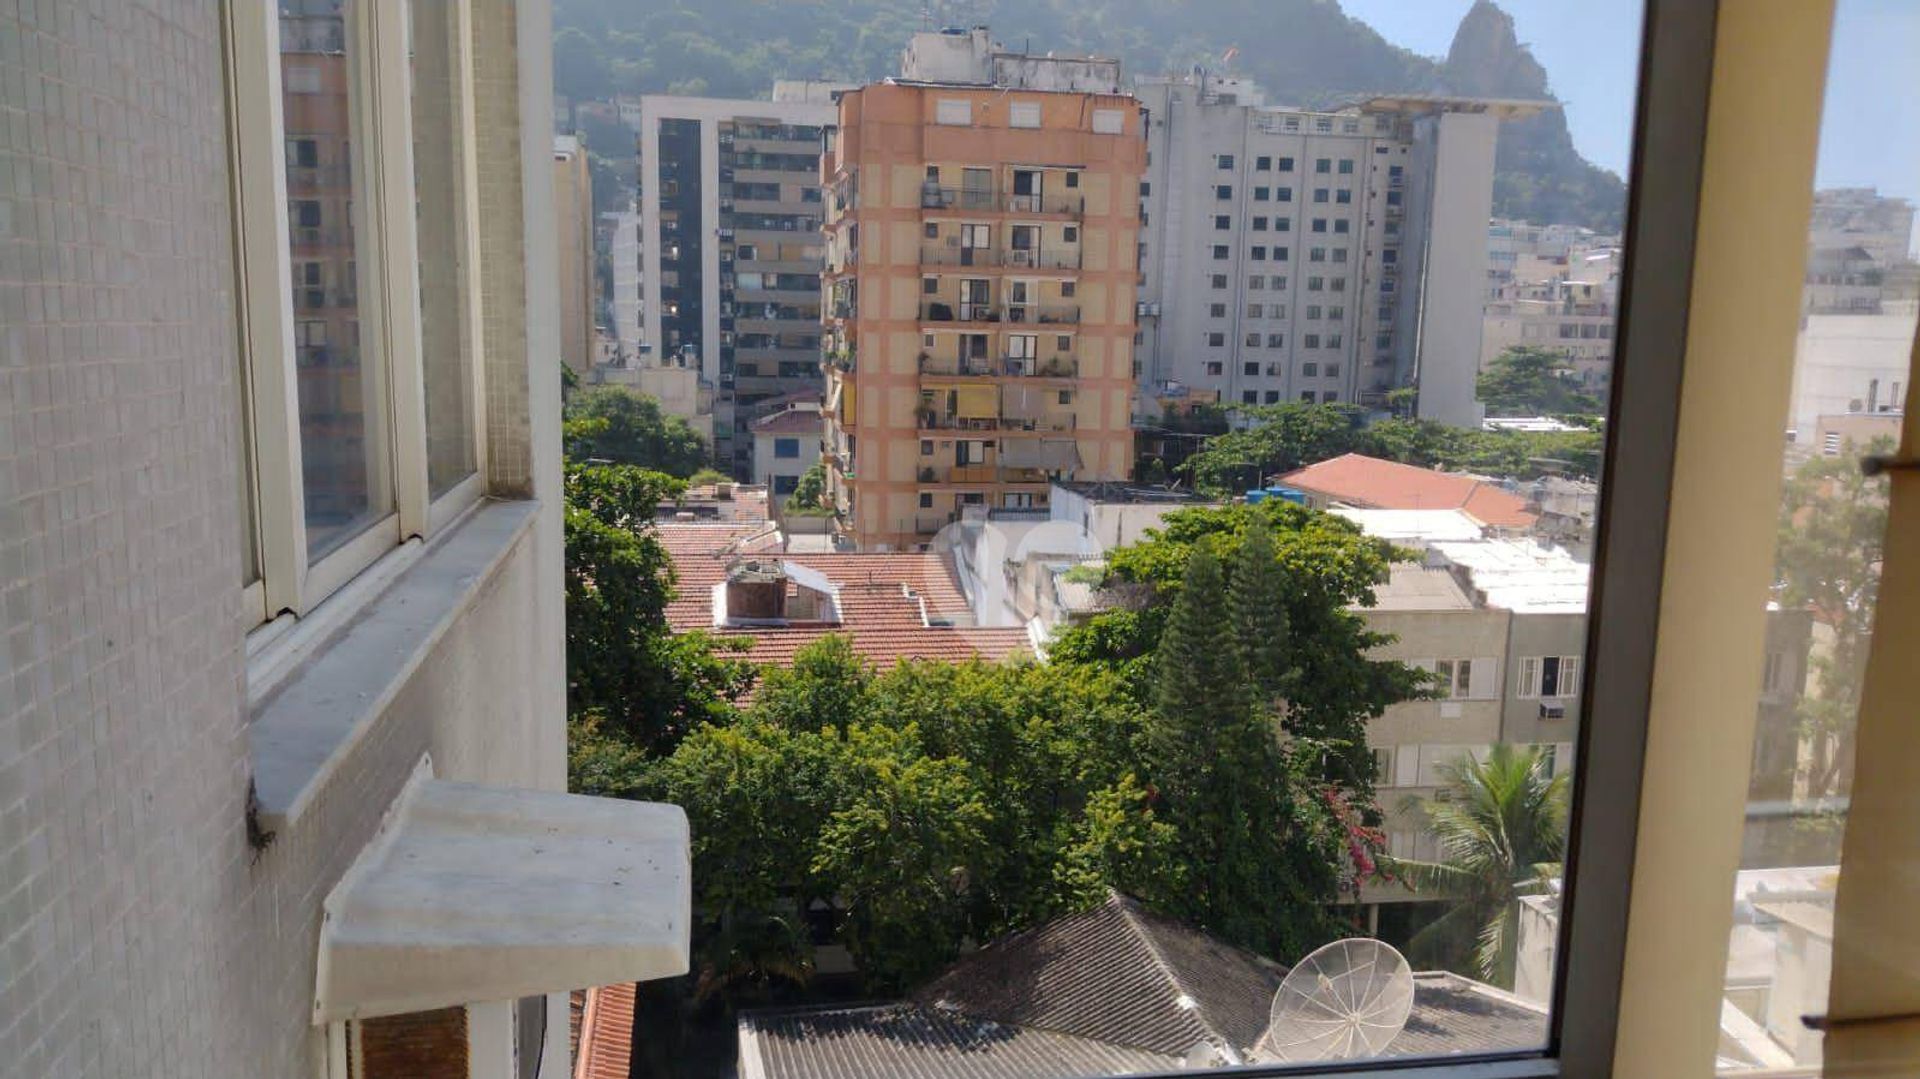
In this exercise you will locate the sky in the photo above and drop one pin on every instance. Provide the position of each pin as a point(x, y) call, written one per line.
point(1870, 136)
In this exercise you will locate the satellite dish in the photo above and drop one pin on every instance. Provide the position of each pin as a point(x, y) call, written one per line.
point(1348, 999)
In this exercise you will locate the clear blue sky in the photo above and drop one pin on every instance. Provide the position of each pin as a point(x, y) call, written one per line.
point(1871, 134)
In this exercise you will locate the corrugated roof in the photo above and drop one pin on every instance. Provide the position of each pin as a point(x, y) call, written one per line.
point(905, 1041)
point(1373, 483)
point(1109, 991)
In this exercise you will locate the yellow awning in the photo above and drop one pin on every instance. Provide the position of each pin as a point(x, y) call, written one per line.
point(975, 402)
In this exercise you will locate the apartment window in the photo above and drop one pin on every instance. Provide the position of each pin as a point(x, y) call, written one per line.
point(1253, 309)
point(1306, 396)
point(1283, 224)
point(1216, 340)
point(1219, 280)
point(1339, 254)
point(1393, 199)
point(1334, 340)
point(1073, 180)
point(1271, 397)
point(1024, 114)
point(1218, 310)
point(1312, 340)
point(1258, 254)
point(929, 286)
point(1278, 283)
point(1250, 370)
point(1223, 191)
point(1259, 224)
point(1549, 676)
point(926, 500)
point(1343, 197)
point(1108, 121)
point(1330, 397)
point(1062, 343)
point(1339, 284)
point(1262, 194)
point(1286, 164)
point(1222, 222)
point(1322, 165)
point(1224, 161)
point(1256, 282)
point(1249, 397)
point(1263, 164)
point(926, 447)
point(1222, 252)
point(1070, 234)
point(1319, 224)
point(1456, 677)
point(1276, 340)
point(956, 112)
point(1146, 188)
point(1317, 254)
point(1283, 194)
point(1313, 311)
point(785, 485)
point(1346, 166)
point(786, 448)
point(1280, 255)
point(1333, 369)
point(1342, 226)
point(929, 231)
point(1068, 289)
point(1214, 367)
point(1319, 194)
point(370, 420)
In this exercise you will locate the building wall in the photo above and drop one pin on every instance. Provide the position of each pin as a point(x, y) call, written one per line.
point(628, 298)
point(713, 163)
point(769, 469)
point(573, 233)
point(878, 312)
point(1851, 363)
point(1192, 131)
point(1454, 152)
point(143, 934)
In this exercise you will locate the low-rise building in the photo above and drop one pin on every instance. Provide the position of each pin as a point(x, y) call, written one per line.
point(1361, 482)
point(785, 445)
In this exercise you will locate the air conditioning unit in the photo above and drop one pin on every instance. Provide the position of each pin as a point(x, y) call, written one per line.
point(1553, 710)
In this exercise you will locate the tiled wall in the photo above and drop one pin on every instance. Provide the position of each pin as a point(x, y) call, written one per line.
point(140, 933)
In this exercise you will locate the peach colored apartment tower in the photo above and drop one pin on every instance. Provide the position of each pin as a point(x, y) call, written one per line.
point(981, 273)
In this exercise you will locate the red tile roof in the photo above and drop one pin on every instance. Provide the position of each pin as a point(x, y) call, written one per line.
point(1372, 483)
point(606, 1034)
point(793, 421)
point(891, 605)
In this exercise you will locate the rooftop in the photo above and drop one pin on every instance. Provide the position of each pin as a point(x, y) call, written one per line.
point(795, 420)
point(1113, 989)
point(1522, 575)
point(1413, 587)
point(891, 607)
point(1372, 483)
point(1414, 527)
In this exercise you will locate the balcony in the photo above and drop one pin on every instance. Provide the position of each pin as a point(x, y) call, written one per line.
point(1056, 366)
point(1045, 314)
point(1051, 422)
point(989, 258)
point(937, 312)
point(970, 199)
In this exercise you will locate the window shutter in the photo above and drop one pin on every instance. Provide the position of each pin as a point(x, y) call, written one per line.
point(1569, 676)
point(1483, 678)
point(1529, 683)
point(1406, 766)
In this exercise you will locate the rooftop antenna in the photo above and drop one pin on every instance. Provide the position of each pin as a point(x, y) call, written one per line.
point(1348, 999)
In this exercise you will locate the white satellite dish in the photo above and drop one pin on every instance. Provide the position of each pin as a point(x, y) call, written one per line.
point(1348, 999)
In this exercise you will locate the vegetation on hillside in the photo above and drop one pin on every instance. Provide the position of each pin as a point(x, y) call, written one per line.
point(1303, 52)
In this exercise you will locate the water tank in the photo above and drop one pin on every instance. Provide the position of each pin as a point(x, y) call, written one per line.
point(1288, 494)
point(1255, 497)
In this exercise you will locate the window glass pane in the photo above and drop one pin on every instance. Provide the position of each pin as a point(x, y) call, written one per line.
point(440, 211)
point(1851, 378)
point(343, 417)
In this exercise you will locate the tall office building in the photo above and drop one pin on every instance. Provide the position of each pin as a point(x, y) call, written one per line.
point(729, 249)
point(1317, 256)
point(981, 229)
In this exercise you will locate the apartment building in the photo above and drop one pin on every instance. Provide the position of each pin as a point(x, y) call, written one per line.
point(729, 252)
point(1563, 303)
point(981, 228)
point(1292, 255)
point(573, 234)
point(282, 753)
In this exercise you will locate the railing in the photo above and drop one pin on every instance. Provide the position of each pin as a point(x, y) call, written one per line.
point(1021, 258)
point(938, 311)
point(1048, 422)
point(957, 366)
point(1056, 366)
point(1055, 314)
point(966, 198)
point(927, 524)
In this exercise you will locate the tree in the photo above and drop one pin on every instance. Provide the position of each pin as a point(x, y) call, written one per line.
point(1502, 833)
point(1532, 382)
point(624, 664)
point(617, 424)
point(810, 491)
point(1833, 525)
point(1257, 610)
point(827, 686)
point(1278, 438)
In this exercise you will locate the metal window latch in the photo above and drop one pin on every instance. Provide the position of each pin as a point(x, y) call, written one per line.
point(1882, 463)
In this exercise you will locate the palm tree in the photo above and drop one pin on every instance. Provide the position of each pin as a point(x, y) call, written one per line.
point(1502, 833)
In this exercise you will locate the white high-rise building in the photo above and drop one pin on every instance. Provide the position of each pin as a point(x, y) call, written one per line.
point(1323, 256)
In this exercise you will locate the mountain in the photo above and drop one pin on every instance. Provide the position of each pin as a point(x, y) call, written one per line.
point(1309, 52)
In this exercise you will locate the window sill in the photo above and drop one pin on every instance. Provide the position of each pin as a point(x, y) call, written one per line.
point(316, 690)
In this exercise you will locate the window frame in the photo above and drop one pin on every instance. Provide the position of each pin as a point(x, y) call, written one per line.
point(379, 70)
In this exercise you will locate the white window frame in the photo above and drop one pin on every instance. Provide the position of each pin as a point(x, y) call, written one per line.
point(1023, 114)
point(379, 67)
point(1109, 121)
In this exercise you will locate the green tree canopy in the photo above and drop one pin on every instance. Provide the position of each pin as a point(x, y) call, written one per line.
point(1533, 382)
point(620, 425)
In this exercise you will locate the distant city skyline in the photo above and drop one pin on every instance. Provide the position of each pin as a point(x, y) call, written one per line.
point(1870, 136)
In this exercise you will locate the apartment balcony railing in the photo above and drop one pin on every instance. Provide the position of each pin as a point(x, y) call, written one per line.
point(965, 198)
point(979, 474)
point(939, 311)
point(1026, 259)
point(1054, 314)
point(1050, 422)
point(926, 524)
point(1000, 367)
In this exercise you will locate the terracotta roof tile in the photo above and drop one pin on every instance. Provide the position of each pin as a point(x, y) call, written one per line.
point(1373, 483)
point(893, 606)
point(793, 421)
point(606, 1034)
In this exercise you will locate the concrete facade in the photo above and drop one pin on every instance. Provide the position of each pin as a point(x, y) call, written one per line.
point(573, 234)
point(157, 915)
point(980, 309)
point(730, 251)
point(1296, 255)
